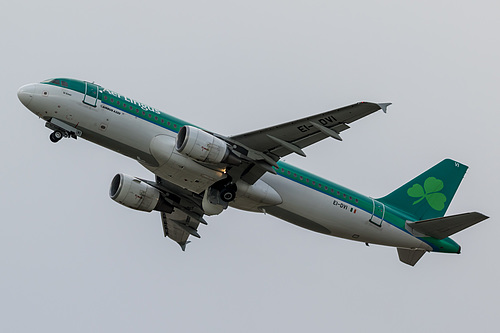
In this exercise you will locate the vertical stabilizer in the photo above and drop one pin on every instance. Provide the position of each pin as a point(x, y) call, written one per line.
point(428, 195)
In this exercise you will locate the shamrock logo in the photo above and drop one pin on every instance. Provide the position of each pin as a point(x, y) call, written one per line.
point(430, 191)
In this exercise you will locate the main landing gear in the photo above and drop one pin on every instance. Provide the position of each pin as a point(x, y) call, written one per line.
point(222, 192)
point(228, 192)
point(218, 196)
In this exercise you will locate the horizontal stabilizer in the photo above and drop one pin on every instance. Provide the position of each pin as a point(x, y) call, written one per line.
point(409, 256)
point(443, 227)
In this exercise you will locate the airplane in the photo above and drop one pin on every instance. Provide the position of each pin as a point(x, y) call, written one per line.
point(199, 172)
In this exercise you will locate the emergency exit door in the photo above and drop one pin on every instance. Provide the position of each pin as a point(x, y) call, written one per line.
point(91, 94)
point(378, 213)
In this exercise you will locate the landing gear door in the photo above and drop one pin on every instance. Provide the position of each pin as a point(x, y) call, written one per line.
point(378, 213)
point(91, 94)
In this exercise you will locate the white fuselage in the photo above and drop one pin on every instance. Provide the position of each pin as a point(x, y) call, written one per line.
point(132, 136)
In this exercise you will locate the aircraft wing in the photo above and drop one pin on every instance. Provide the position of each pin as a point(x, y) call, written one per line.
point(266, 146)
point(184, 212)
point(286, 138)
point(178, 226)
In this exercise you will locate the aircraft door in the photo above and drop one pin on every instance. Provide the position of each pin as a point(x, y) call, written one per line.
point(91, 94)
point(378, 213)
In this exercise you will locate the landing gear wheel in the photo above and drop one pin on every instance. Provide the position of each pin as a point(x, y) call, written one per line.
point(228, 193)
point(56, 136)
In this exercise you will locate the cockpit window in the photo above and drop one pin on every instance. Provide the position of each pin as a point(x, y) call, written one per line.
point(59, 82)
point(67, 83)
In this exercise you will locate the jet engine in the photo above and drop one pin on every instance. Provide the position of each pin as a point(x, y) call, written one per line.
point(204, 147)
point(136, 194)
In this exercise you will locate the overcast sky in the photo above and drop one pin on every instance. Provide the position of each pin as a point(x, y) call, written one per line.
point(72, 260)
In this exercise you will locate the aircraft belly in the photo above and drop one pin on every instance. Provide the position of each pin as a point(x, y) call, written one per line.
point(180, 169)
point(132, 132)
point(187, 174)
point(316, 211)
point(118, 146)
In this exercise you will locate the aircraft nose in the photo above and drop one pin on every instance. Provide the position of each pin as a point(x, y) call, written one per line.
point(25, 93)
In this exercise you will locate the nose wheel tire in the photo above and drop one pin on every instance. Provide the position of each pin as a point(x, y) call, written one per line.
point(56, 136)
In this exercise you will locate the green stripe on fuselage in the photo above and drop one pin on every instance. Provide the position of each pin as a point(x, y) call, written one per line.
point(142, 111)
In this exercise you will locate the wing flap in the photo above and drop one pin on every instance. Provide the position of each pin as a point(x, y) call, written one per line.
point(443, 227)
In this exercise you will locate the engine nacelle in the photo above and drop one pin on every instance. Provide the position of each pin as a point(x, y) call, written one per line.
point(203, 146)
point(134, 193)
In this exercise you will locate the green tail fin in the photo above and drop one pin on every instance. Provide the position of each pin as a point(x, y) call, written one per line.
point(429, 194)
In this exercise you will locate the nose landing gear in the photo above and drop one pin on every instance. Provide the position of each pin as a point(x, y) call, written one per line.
point(61, 130)
point(56, 136)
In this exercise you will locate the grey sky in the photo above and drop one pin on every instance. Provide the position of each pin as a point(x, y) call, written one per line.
point(73, 260)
